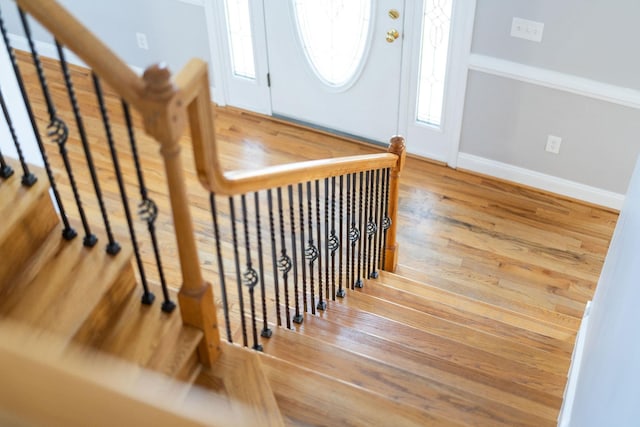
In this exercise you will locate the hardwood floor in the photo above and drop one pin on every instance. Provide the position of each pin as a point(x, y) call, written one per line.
point(510, 268)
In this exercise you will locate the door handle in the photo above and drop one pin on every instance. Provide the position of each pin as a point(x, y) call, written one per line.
point(392, 35)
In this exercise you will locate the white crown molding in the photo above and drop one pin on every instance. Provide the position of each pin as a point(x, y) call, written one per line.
point(539, 180)
point(555, 80)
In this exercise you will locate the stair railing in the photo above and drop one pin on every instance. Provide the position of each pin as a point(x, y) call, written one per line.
point(366, 211)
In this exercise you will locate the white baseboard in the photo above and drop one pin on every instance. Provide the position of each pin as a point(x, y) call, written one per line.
point(555, 80)
point(539, 180)
point(564, 418)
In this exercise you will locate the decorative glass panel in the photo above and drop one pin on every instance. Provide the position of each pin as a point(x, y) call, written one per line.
point(433, 60)
point(240, 42)
point(334, 36)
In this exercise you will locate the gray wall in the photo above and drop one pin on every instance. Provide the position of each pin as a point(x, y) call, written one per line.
point(175, 31)
point(508, 120)
point(608, 382)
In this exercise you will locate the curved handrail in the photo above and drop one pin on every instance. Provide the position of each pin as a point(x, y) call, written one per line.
point(193, 83)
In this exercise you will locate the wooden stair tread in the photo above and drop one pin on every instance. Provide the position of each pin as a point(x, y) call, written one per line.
point(395, 354)
point(477, 290)
point(409, 312)
point(148, 337)
point(239, 373)
point(477, 307)
point(70, 284)
point(27, 218)
point(307, 397)
point(393, 382)
point(488, 321)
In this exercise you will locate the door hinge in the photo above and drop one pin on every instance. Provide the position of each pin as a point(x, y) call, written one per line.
point(268, 79)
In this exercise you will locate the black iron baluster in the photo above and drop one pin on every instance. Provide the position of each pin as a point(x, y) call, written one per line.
point(386, 221)
point(147, 297)
point(5, 170)
point(347, 239)
point(68, 233)
point(354, 231)
point(274, 255)
point(303, 264)
point(284, 262)
point(28, 178)
point(236, 258)
point(223, 285)
point(371, 225)
point(58, 132)
point(376, 217)
point(326, 240)
point(250, 276)
point(311, 252)
point(341, 293)
point(113, 247)
point(322, 304)
point(334, 241)
point(381, 217)
point(297, 318)
point(148, 211)
point(359, 283)
point(365, 226)
point(266, 331)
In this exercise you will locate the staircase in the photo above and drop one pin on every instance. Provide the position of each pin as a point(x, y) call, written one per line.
point(396, 352)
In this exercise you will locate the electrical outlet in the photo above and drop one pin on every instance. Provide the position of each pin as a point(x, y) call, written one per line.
point(141, 38)
point(553, 144)
point(528, 30)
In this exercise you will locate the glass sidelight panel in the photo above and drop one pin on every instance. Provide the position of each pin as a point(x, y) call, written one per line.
point(434, 54)
point(334, 36)
point(240, 41)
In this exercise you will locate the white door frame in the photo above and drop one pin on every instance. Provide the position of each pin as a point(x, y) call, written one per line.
point(228, 90)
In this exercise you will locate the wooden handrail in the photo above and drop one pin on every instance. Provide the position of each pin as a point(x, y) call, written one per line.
point(193, 83)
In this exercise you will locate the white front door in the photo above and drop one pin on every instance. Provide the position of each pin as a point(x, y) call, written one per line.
point(337, 64)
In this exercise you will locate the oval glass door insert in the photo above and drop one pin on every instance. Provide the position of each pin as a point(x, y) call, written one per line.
point(334, 36)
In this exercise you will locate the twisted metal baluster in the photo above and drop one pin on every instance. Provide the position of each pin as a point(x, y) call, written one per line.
point(372, 227)
point(347, 234)
point(236, 258)
point(359, 283)
point(68, 233)
point(334, 240)
point(311, 252)
point(148, 211)
point(274, 255)
point(147, 297)
point(58, 132)
point(297, 318)
point(113, 247)
point(381, 219)
point(28, 178)
point(5, 170)
point(374, 256)
point(386, 222)
point(322, 304)
point(284, 262)
point(223, 285)
point(250, 276)
point(266, 331)
point(305, 307)
point(354, 231)
point(341, 293)
point(326, 239)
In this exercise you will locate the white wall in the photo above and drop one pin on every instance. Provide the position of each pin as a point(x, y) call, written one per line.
point(586, 44)
point(608, 380)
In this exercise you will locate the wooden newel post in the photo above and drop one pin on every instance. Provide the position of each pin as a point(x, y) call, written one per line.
point(165, 119)
point(397, 147)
